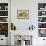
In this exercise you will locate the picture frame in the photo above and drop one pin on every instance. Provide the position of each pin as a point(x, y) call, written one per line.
point(22, 14)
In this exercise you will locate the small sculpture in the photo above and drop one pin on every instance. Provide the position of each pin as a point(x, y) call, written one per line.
point(13, 27)
point(31, 27)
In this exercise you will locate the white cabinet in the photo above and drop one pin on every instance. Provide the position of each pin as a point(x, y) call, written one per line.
point(3, 40)
point(42, 24)
point(41, 41)
point(4, 21)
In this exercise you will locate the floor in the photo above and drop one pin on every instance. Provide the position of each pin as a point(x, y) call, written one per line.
point(3, 45)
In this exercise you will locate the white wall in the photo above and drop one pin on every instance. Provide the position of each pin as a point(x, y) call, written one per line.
point(32, 6)
point(23, 24)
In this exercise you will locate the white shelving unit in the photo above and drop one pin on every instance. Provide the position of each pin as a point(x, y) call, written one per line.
point(42, 19)
point(4, 22)
point(4, 19)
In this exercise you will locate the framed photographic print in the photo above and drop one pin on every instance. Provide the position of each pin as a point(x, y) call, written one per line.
point(22, 14)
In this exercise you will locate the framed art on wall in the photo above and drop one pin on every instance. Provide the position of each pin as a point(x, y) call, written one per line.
point(22, 14)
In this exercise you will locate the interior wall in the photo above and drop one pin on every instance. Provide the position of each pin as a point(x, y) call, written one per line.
point(32, 6)
point(23, 24)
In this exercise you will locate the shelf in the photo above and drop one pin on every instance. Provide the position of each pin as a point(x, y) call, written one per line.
point(41, 22)
point(42, 16)
point(3, 22)
point(3, 10)
point(41, 28)
point(3, 16)
point(41, 10)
